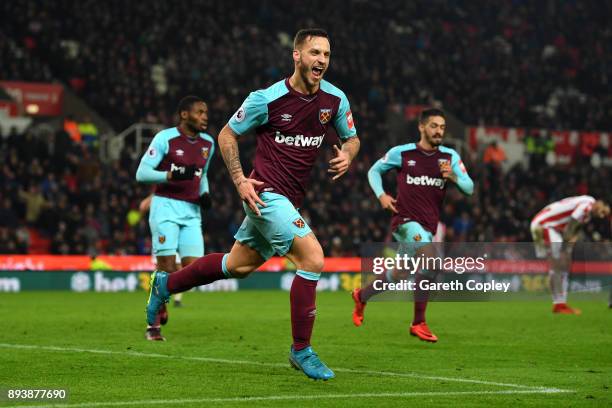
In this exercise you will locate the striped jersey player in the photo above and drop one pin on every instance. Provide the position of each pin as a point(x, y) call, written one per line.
point(554, 229)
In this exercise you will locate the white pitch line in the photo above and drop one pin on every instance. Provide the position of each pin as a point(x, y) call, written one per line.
point(295, 398)
point(274, 365)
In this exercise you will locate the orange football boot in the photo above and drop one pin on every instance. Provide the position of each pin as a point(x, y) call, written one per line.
point(422, 332)
point(359, 308)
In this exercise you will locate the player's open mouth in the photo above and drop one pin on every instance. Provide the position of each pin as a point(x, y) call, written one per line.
point(317, 71)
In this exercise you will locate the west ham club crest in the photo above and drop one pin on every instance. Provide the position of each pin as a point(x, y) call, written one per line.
point(324, 115)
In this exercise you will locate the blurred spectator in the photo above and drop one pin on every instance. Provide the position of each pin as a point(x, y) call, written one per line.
point(537, 146)
point(494, 155)
point(89, 132)
point(493, 158)
point(72, 128)
point(34, 203)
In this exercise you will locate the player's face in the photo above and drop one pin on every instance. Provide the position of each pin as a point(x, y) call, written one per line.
point(600, 209)
point(197, 117)
point(312, 60)
point(433, 130)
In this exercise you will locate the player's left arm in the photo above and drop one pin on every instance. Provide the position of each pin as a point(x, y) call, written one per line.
point(345, 127)
point(205, 202)
point(457, 173)
point(572, 230)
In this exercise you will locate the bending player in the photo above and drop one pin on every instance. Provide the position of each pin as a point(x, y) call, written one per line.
point(423, 172)
point(555, 230)
point(290, 119)
point(177, 162)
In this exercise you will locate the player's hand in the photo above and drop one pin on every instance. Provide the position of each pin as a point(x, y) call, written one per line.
point(388, 203)
point(145, 204)
point(205, 202)
point(447, 171)
point(339, 164)
point(246, 190)
point(183, 173)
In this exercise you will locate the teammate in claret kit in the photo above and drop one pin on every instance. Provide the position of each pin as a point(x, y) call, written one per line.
point(177, 162)
point(290, 119)
point(423, 172)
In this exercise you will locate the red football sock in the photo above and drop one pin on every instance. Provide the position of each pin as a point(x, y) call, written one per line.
point(303, 311)
point(420, 300)
point(366, 293)
point(201, 272)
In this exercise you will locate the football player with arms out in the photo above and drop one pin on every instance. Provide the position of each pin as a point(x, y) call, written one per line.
point(555, 230)
point(177, 162)
point(423, 170)
point(290, 119)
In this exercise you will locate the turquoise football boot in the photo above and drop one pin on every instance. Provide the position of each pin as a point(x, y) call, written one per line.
point(158, 295)
point(309, 363)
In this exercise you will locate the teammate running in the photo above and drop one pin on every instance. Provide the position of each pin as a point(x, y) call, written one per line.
point(177, 162)
point(423, 171)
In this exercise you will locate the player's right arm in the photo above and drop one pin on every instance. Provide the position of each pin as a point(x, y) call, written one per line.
point(146, 172)
point(393, 159)
point(252, 113)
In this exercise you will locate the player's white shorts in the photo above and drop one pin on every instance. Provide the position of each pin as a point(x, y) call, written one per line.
point(547, 241)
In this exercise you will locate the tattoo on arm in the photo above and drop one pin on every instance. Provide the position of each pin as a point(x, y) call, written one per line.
point(351, 146)
point(229, 150)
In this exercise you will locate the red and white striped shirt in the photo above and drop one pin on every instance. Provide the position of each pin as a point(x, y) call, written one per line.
point(559, 213)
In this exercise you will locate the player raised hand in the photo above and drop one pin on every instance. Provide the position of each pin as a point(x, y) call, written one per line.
point(339, 164)
point(388, 203)
point(246, 190)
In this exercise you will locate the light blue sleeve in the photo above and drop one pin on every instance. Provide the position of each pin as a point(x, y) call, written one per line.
point(146, 172)
point(464, 182)
point(343, 122)
point(204, 179)
point(252, 113)
point(393, 159)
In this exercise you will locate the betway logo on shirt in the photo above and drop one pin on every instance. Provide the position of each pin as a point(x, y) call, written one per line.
point(299, 140)
point(425, 181)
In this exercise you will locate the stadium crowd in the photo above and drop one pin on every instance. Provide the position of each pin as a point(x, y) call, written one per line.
point(134, 60)
point(478, 60)
point(56, 187)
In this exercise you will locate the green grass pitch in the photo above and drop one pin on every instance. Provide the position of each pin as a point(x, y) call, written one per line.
point(230, 349)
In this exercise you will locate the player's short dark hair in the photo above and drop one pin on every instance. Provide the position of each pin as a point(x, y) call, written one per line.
point(186, 103)
point(428, 113)
point(304, 33)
